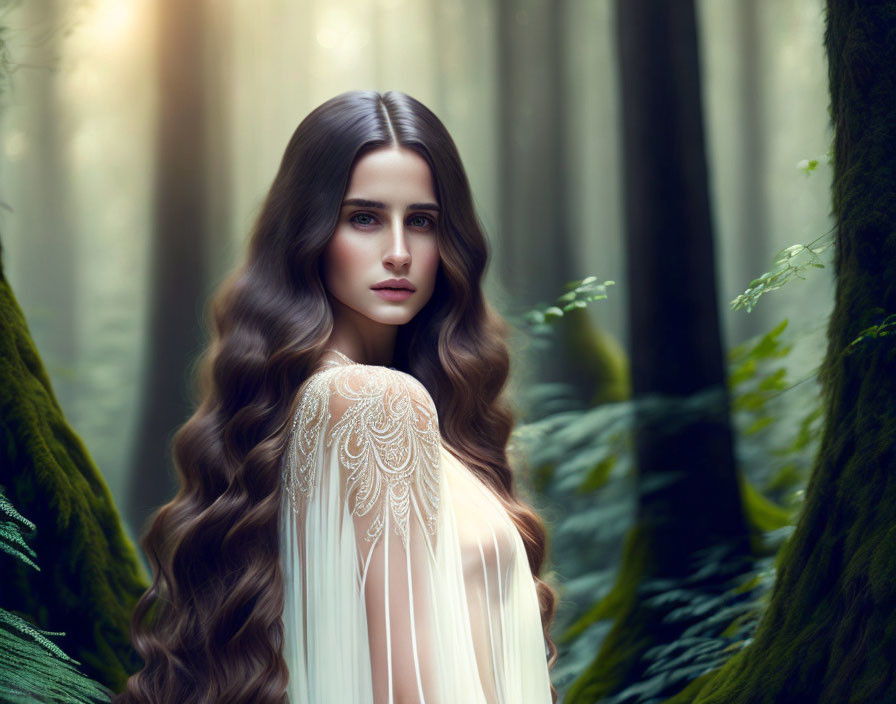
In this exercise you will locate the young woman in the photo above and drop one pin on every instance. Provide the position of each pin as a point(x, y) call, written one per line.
point(347, 528)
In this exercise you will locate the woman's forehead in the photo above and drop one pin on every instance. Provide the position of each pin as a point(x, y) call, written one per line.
point(392, 176)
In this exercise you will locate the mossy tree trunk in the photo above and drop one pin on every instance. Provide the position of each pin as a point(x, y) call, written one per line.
point(90, 576)
point(829, 633)
point(689, 499)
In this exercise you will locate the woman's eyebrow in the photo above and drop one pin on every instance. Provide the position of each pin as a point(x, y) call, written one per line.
point(364, 203)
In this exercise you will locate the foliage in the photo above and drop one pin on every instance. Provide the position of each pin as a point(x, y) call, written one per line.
point(790, 263)
point(886, 327)
point(578, 294)
point(762, 415)
point(584, 470)
point(583, 462)
point(720, 622)
point(32, 667)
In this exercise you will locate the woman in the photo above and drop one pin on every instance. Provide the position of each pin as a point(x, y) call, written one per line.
point(347, 528)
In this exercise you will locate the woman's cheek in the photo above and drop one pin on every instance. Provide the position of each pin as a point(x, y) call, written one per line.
point(342, 255)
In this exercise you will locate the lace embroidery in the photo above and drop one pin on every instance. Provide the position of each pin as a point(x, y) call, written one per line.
point(387, 438)
point(310, 419)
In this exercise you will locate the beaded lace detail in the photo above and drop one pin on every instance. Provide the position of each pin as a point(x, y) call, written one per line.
point(383, 424)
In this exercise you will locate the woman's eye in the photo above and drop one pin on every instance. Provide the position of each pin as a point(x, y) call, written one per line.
point(365, 219)
point(422, 221)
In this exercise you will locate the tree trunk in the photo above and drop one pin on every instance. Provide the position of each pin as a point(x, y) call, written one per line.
point(178, 273)
point(829, 632)
point(534, 241)
point(689, 498)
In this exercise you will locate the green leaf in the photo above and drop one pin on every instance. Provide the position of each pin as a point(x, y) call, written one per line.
point(760, 423)
point(775, 381)
point(749, 401)
point(743, 372)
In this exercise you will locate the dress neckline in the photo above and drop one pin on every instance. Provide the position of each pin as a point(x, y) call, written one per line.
point(343, 356)
point(348, 360)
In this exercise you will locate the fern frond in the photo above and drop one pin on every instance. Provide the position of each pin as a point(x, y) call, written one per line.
point(32, 667)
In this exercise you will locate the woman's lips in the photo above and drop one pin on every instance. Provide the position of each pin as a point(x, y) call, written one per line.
point(393, 294)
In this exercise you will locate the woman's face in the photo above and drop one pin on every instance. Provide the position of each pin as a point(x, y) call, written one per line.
point(387, 229)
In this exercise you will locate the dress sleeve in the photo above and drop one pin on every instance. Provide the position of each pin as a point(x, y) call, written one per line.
point(362, 481)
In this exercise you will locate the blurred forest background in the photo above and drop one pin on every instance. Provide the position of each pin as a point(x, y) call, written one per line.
point(138, 139)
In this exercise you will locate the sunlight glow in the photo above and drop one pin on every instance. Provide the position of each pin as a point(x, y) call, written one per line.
point(113, 21)
point(107, 24)
point(341, 31)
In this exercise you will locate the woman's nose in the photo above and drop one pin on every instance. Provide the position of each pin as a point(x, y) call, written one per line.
point(397, 252)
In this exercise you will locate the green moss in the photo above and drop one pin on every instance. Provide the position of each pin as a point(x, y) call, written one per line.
point(687, 695)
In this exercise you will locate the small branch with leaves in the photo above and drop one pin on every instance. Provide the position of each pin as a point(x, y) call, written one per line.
point(578, 295)
point(886, 327)
point(789, 263)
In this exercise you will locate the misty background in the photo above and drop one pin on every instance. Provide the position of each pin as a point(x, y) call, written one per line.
point(139, 139)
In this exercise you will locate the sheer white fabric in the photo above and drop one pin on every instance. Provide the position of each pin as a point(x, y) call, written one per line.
point(405, 579)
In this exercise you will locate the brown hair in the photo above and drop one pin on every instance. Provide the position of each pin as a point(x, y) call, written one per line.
point(209, 628)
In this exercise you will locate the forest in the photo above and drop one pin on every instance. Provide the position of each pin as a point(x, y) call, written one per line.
point(691, 209)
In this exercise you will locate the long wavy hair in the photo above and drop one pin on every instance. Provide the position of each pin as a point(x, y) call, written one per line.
point(209, 628)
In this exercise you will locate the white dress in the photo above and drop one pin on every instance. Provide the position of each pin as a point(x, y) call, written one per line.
point(405, 579)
